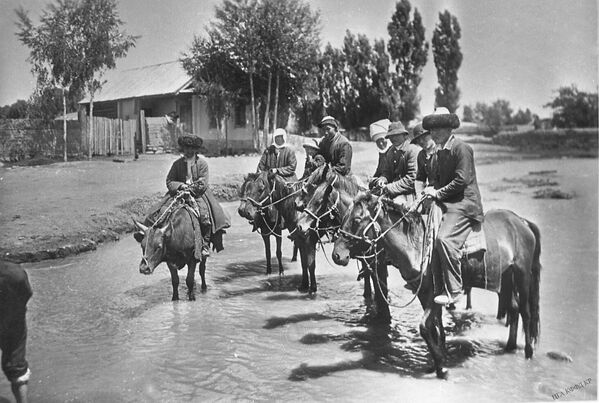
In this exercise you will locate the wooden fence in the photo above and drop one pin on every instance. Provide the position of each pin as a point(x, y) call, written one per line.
point(110, 136)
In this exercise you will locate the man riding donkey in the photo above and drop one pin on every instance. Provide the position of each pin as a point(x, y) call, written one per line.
point(190, 174)
point(456, 187)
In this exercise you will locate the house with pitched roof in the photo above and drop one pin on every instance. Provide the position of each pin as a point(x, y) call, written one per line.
point(161, 98)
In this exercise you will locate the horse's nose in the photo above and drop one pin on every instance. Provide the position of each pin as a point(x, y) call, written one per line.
point(341, 261)
point(143, 268)
point(241, 211)
point(299, 205)
point(303, 227)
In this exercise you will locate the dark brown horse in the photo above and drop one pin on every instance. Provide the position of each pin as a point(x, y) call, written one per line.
point(510, 266)
point(256, 206)
point(172, 240)
point(325, 200)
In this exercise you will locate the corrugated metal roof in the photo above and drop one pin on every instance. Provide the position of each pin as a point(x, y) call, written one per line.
point(157, 79)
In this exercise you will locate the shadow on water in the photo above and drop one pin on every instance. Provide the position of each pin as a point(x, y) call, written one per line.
point(397, 349)
point(275, 322)
point(237, 270)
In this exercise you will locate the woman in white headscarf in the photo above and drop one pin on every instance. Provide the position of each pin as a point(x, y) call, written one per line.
point(278, 158)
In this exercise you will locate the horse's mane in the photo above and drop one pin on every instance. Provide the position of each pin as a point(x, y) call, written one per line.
point(250, 177)
point(325, 173)
point(413, 219)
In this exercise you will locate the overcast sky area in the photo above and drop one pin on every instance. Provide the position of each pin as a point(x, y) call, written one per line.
point(520, 51)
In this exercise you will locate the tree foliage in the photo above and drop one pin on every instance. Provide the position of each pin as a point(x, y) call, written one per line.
point(448, 59)
point(270, 45)
point(16, 110)
point(75, 41)
point(574, 108)
point(408, 50)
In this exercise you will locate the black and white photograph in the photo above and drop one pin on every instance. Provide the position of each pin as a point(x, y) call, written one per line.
point(299, 200)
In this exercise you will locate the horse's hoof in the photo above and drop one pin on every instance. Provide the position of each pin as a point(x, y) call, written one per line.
point(175, 299)
point(528, 352)
point(303, 289)
point(442, 373)
point(312, 290)
point(203, 287)
point(510, 347)
point(430, 370)
point(192, 297)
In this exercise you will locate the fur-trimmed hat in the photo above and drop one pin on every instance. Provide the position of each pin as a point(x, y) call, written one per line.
point(190, 141)
point(330, 121)
point(379, 129)
point(441, 118)
point(418, 131)
point(396, 128)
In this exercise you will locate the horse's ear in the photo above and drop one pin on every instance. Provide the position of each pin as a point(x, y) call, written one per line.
point(140, 226)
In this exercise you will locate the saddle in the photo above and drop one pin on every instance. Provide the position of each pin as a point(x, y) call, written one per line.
point(476, 241)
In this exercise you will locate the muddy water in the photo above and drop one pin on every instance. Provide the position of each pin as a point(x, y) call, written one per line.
point(100, 331)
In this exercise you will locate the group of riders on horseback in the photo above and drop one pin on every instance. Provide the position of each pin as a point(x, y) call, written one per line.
point(442, 170)
point(424, 190)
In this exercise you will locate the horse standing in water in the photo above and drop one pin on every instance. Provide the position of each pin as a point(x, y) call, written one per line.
point(172, 239)
point(510, 266)
point(326, 199)
point(256, 206)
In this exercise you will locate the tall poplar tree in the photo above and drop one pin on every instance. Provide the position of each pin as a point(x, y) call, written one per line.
point(448, 59)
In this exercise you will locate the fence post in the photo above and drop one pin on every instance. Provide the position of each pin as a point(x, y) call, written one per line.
point(142, 124)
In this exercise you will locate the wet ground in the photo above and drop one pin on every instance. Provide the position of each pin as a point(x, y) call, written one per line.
point(102, 332)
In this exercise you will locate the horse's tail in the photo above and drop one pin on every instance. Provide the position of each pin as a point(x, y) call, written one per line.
point(535, 320)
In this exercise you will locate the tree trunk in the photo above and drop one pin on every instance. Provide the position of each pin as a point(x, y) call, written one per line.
point(255, 138)
point(267, 112)
point(274, 119)
point(64, 122)
point(91, 125)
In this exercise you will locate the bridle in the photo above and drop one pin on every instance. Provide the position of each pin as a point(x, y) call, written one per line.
point(330, 212)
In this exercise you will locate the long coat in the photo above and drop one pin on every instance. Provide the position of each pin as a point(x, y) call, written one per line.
point(177, 176)
point(399, 168)
point(337, 151)
point(284, 161)
point(456, 182)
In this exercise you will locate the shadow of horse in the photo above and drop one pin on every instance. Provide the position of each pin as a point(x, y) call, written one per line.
point(387, 349)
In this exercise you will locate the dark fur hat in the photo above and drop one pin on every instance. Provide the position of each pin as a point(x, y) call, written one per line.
point(441, 118)
point(190, 141)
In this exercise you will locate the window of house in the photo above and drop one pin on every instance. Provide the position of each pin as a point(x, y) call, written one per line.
point(240, 115)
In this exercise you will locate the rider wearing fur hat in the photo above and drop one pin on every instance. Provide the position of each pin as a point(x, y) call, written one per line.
point(190, 172)
point(457, 188)
point(278, 159)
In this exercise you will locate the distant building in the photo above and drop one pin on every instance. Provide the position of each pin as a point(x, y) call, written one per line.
point(164, 93)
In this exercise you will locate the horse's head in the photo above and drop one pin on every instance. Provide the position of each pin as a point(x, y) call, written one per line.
point(153, 245)
point(358, 228)
point(254, 193)
point(318, 200)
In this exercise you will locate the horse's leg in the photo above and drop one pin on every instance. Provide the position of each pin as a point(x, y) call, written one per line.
point(512, 319)
point(294, 256)
point(203, 273)
point(174, 280)
point(523, 284)
point(468, 292)
point(381, 292)
point(312, 266)
point(304, 286)
point(366, 276)
point(190, 279)
point(434, 340)
point(266, 239)
point(278, 252)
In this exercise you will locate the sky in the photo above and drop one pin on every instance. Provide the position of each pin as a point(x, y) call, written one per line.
point(520, 51)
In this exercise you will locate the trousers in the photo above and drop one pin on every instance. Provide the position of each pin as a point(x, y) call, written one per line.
point(447, 254)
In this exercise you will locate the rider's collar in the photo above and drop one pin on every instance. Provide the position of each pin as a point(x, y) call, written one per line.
point(449, 143)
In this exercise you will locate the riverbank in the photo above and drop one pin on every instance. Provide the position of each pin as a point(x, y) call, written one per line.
point(55, 210)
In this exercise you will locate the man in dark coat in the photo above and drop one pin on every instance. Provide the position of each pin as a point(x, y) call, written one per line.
point(457, 188)
point(334, 147)
point(15, 291)
point(278, 158)
point(427, 158)
point(190, 172)
point(399, 167)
